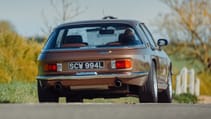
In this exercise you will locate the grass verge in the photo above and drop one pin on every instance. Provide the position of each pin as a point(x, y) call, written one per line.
point(18, 92)
point(185, 98)
point(23, 92)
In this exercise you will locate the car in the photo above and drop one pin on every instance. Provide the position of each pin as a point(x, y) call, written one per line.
point(105, 58)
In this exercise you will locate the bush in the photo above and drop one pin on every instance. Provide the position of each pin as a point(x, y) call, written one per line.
point(205, 83)
point(18, 56)
point(185, 98)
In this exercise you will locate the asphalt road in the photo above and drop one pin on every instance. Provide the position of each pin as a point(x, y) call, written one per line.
point(105, 111)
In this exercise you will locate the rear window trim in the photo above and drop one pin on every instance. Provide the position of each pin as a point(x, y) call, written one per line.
point(52, 43)
point(90, 25)
point(93, 48)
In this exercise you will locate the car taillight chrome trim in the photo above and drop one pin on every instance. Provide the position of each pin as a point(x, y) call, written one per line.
point(113, 64)
point(59, 67)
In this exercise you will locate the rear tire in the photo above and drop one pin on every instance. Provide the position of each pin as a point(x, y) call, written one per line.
point(149, 92)
point(166, 95)
point(46, 95)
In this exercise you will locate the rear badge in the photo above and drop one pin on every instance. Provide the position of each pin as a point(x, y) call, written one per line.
point(105, 52)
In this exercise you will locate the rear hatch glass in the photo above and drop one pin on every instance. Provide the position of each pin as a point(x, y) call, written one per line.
point(94, 35)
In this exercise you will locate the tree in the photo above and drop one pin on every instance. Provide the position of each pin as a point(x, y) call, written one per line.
point(64, 10)
point(189, 25)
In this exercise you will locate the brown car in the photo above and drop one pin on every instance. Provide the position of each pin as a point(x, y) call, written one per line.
point(107, 58)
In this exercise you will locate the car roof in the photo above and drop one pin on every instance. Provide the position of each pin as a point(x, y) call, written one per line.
point(121, 21)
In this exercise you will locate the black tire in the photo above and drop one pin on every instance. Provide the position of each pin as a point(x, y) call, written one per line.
point(46, 95)
point(166, 95)
point(149, 92)
point(74, 100)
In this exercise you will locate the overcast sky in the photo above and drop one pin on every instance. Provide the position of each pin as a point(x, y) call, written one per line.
point(26, 15)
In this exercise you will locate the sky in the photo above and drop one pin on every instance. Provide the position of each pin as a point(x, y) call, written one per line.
point(26, 15)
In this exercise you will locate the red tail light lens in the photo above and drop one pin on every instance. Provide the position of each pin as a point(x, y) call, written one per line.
point(123, 64)
point(50, 67)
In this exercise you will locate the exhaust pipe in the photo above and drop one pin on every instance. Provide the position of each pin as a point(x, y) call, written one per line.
point(58, 86)
point(118, 83)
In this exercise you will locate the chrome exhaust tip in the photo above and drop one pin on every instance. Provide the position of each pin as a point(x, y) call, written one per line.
point(118, 83)
point(58, 85)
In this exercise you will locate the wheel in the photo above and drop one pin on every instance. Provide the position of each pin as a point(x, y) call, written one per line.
point(46, 94)
point(74, 100)
point(166, 95)
point(149, 92)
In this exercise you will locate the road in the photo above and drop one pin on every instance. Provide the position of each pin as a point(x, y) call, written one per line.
point(105, 111)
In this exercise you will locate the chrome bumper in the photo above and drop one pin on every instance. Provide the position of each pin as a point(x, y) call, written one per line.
point(101, 76)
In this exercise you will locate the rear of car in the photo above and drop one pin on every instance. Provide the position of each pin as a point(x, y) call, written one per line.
point(92, 59)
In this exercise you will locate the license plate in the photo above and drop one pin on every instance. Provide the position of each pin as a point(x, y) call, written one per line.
point(86, 65)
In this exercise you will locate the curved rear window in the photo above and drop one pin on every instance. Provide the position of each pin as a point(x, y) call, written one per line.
point(94, 35)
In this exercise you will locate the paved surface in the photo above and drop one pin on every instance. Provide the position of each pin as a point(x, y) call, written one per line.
point(105, 111)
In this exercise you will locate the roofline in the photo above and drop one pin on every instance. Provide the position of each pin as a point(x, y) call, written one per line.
point(123, 21)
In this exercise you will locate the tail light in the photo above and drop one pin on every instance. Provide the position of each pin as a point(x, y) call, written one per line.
point(57, 67)
point(121, 64)
point(50, 67)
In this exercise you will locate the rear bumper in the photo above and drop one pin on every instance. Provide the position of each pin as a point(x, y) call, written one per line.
point(137, 78)
point(101, 76)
